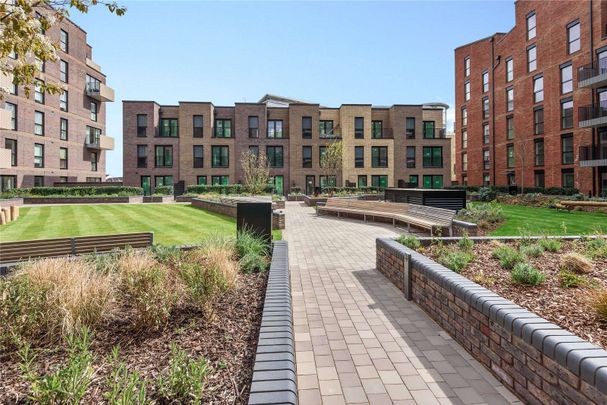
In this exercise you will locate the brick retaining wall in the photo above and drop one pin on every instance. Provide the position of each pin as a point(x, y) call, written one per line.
point(83, 200)
point(537, 360)
point(158, 199)
point(278, 217)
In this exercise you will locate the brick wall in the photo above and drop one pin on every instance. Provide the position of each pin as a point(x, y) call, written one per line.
point(278, 217)
point(538, 361)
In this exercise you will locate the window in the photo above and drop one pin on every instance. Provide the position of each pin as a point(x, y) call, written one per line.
point(486, 161)
point(433, 156)
point(467, 66)
point(220, 180)
point(38, 155)
point(567, 114)
point(362, 180)
point(63, 158)
point(13, 88)
point(486, 108)
point(464, 138)
point(464, 116)
point(63, 101)
point(306, 157)
point(433, 181)
point(539, 178)
point(321, 152)
point(485, 78)
point(539, 152)
point(465, 180)
point(538, 121)
point(531, 58)
point(38, 123)
point(509, 70)
point(510, 155)
point(11, 144)
point(359, 127)
point(567, 149)
point(359, 156)
point(510, 99)
point(510, 127)
point(567, 178)
point(573, 37)
point(63, 179)
point(142, 125)
point(92, 135)
point(379, 181)
point(253, 126)
point(201, 180)
point(94, 111)
point(38, 181)
point(220, 156)
point(486, 179)
point(63, 71)
point(93, 179)
point(413, 180)
point(7, 182)
point(410, 128)
point(538, 89)
point(566, 79)
point(12, 108)
point(160, 181)
point(428, 131)
point(164, 156)
point(410, 157)
point(531, 26)
point(275, 129)
point(379, 156)
point(254, 150)
point(64, 41)
point(377, 129)
point(63, 129)
point(326, 128)
point(38, 93)
point(467, 90)
point(464, 161)
point(306, 127)
point(92, 84)
point(197, 126)
point(485, 134)
point(142, 156)
point(223, 128)
point(198, 156)
point(275, 156)
point(169, 127)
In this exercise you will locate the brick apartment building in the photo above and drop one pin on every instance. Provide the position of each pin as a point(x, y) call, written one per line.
point(199, 143)
point(531, 104)
point(51, 138)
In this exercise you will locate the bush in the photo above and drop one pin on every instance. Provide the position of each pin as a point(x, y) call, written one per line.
point(550, 245)
point(568, 279)
point(253, 252)
point(72, 191)
point(533, 250)
point(184, 380)
point(455, 259)
point(576, 263)
point(410, 241)
point(507, 256)
point(167, 254)
point(597, 248)
point(599, 303)
point(465, 243)
point(486, 194)
point(524, 273)
point(221, 189)
point(163, 190)
point(124, 386)
point(483, 214)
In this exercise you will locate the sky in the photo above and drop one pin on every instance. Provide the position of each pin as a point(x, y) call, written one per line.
point(327, 52)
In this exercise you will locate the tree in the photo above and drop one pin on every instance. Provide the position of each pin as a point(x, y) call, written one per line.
point(24, 45)
point(331, 160)
point(256, 171)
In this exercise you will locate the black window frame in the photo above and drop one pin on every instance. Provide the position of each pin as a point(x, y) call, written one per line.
point(306, 127)
point(539, 152)
point(579, 38)
point(164, 156)
point(40, 164)
point(224, 159)
point(224, 131)
point(359, 157)
point(275, 160)
point(142, 159)
point(359, 127)
point(142, 129)
point(62, 161)
point(306, 156)
point(567, 65)
point(375, 132)
point(538, 120)
point(12, 145)
point(567, 156)
point(63, 132)
point(272, 125)
point(197, 162)
point(567, 118)
point(172, 127)
point(410, 157)
point(429, 161)
point(379, 157)
point(410, 132)
point(538, 95)
point(197, 130)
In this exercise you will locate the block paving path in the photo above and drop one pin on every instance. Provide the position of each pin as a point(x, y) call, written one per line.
point(357, 340)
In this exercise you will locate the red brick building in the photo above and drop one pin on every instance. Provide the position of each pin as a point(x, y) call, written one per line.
point(531, 104)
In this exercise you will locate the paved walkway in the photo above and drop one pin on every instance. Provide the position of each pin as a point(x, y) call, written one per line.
point(357, 340)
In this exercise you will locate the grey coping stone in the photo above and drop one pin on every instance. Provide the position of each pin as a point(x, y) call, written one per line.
point(275, 335)
point(589, 367)
point(274, 349)
point(277, 397)
point(274, 356)
point(487, 303)
point(279, 328)
point(506, 307)
point(531, 330)
point(539, 335)
point(519, 324)
point(551, 343)
point(273, 365)
point(510, 317)
point(277, 341)
point(271, 375)
point(273, 386)
point(600, 379)
point(500, 316)
point(565, 349)
point(576, 357)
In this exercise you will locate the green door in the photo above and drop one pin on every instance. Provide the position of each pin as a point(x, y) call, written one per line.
point(383, 181)
point(437, 182)
point(145, 184)
point(278, 185)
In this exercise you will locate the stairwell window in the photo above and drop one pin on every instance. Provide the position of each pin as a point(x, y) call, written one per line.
point(306, 157)
point(410, 157)
point(94, 111)
point(467, 90)
point(379, 156)
point(197, 126)
point(169, 127)
point(485, 77)
point(539, 152)
point(486, 161)
point(466, 66)
point(164, 156)
point(359, 127)
point(464, 116)
point(464, 138)
point(573, 37)
point(433, 156)
point(63, 129)
point(509, 70)
point(142, 156)
point(509, 99)
point(63, 158)
point(377, 129)
point(326, 128)
point(410, 128)
point(538, 89)
point(486, 108)
point(567, 149)
point(531, 26)
point(486, 134)
point(12, 108)
point(359, 156)
point(538, 121)
point(198, 156)
point(63, 71)
point(275, 129)
point(566, 78)
point(306, 127)
point(510, 155)
point(223, 128)
point(531, 58)
point(510, 127)
point(142, 124)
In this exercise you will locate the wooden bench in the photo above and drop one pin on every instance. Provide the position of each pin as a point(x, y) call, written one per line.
point(431, 218)
point(13, 252)
point(572, 204)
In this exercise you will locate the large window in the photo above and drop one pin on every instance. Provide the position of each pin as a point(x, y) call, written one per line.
point(327, 181)
point(539, 178)
point(163, 181)
point(433, 156)
point(94, 111)
point(164, 155)
point(63, 158)
point(197, 126)
point(63, 71)
point(467, 66)
point(485, 134)
point(485, 108)
point(142, 156)
point(198, 156)
point(538, 121)
point(410, 128)
point(38, 123)
point(464, 138)
point(429, 132)
point(142, 124)
point(38, 181)
point(433, 181)
point(359, 127)
point(510, 127)
point(306, 157)
point(464, 116)
point(306, 127)
point(362, 180)
point(223, 128)
point(275, 129)
point(64, 42)
point(410, 157)
point(169, 127)
point(254, 150)
point(567, 114)
point(7, 182)
point(573, 37)
point(12, 108)
point(63, 100)
point(531, 26)
point(510, 99)
point(467, 90)
point(220, 180)
point(486, 159)
point(538, 89)
point(92, 84)
point(220, 156)
point(275, 156)
point(567, 149)
point(485, 78)
point(201, 180)
point(539, 152)
point(38, 155)
point(377, 129)
point(567, 178)
point(531, 58)
point(510, 155)
point(464, 162)
point(567, 79)
point(379, 181)
point(379, 156)
point(93, 135)
point(11, 144)
point(359, 156)
point(509, 70)
point(326, 128)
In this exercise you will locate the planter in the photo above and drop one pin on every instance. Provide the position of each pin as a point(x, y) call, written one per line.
point(312, 201)
point(184, 198)
point(278, 216)
point(83, 200)
point(280, 205)
point(158, 199)
point(295, 197)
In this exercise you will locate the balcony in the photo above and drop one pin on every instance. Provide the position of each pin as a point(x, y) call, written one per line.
point(593, 116)
point(6, 81)
point(100, 142)
point(5, 158)
point(100, 92)
point(93, 65)
point(333, 134)
point(5, 119)
point(437, 133)
point(385, 133)
point(593, 156)
point(593, 75)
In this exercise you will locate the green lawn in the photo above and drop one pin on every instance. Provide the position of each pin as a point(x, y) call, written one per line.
point(172, 224)
point(546, 221)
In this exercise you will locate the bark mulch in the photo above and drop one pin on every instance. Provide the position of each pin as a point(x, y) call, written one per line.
point(228, 342)
point(570, 308)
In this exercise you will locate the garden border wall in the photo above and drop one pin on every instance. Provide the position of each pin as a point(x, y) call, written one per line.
point(84, 200)
point(274, 372)
point(536, 359)
point(278, 216)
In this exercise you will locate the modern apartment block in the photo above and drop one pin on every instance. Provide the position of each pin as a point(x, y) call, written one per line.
point(52, 138)
point(199, 143)
point(531, 104)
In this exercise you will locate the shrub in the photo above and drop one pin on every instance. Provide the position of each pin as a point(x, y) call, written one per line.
point(597, 248)
point(534, 250)
point(221, 189)
point(454, 259)
point(551, 245)
point(124, 386)
point(568, 279)
point(507, 256)
point(483, 214)
point(85, 191)
point(167, 254)
point(465, 243)
point(410, 241)
point(184, 380)
point(576, 263)
point(253, 252)
point(599, 303)
point(486, 194)
point(163, 190)
point(524, 273)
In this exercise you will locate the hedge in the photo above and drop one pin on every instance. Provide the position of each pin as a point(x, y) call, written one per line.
point(72, 191)
point(163, 190)
point(506, 189)
point(352, 190)
point(221, 189)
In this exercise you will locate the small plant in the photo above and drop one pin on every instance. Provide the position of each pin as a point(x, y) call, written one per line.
point(184, 380)
point(455, 260)
point(410, 241)
point(576, 263)
point(124, 386)
point(465, 243)
point(166, 254)
point(600, 304)
point(525, 273)
point(483, 214)
point(486, 194)
point(253, 252)
point(482, 279)
point(534, 250)
point(597, 248)
point(550, 245)
point(507, 256)
point(569, 279)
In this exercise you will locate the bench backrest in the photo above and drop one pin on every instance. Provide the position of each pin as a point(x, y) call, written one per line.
point(31, 249)
point(367, 205)
point(438, 215)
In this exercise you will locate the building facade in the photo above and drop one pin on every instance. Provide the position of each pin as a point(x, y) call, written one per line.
point(56, 138)
point(531, 104)
point(199, 143)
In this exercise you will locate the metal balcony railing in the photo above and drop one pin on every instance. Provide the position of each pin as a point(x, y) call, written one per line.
point(385, 133)
point(591, 70)
point(589, 112)
point(590, 152)
point(438, 133)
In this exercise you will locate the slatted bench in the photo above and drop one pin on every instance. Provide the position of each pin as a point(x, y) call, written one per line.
point(572, 204)
point(431, 218)
point(14, 252)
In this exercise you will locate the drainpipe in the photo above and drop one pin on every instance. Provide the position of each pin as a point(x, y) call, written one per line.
point(594, 131)
point(493, 67)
